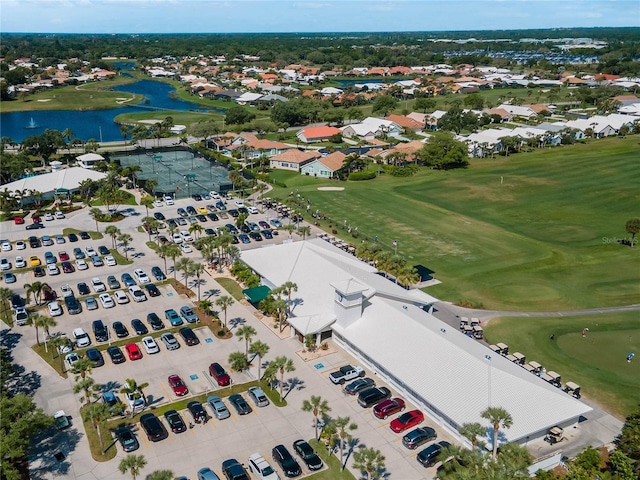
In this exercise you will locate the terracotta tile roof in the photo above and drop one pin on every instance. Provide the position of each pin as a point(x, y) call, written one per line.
point(408, 148)
point(607, 76)
point(376, 141)
point(296, 156)
point(334, 161)
point(538, 107)
point(622, 98)
point(268, 76)
point(309, 93)
point(405, 122)
point(319, 132)
point(499, 111)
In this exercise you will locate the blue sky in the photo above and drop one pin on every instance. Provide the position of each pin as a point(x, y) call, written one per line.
point(214, 16)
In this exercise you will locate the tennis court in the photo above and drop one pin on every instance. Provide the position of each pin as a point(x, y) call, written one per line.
point(178, 172)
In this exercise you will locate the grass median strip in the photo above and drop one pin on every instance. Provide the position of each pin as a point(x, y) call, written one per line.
point(333, 470)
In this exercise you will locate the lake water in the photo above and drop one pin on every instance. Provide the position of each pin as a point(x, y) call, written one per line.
point(96, 124)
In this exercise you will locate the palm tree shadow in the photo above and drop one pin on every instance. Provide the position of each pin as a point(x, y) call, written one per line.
point(111, 385)
point(197, 282)
point(236, 322)
point(211, 293)
point(8, 340)
point(291, 384)
point(51, 449)
point(21, 381)
point(351, 447)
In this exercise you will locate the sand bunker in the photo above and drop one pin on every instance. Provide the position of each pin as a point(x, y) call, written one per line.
point(331, 189)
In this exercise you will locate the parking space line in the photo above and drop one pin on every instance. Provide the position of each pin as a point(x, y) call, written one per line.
point(144, 436)
point(165, 391)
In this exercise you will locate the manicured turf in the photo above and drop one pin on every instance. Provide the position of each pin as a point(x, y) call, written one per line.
point(596, 362)
point(533, 231)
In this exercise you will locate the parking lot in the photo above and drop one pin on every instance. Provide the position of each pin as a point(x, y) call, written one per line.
point(217, 440)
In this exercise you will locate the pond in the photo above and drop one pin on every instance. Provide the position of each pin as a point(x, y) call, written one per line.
point(96, 124)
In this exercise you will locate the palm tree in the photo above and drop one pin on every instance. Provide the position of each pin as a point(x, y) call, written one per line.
point(45, 322)
point(195, 229)
point(224, 302)
point(162, 251)
point(471, 431)
point(151, 184)
point(5, 296)
point(290, 228)
point(56, 343)
point(498, 417)
point(161, 475)
point(96, 413)
point(131, 387)
point(246, 333)
point(151, 224)
point(369, 460)
point(304, 231)
point(283, 365)
point(82, 368)
point(125, 239)
point(343, 425)
point(125, 130)
point(34, 289)
point(280, 309)
point(132, 464)
point(185, 266)
point(238, 361)
point(197, 269)
point(241, 219)
point(288, 288)
point(132, 172)
point(113, 232)
point(95, 213)
point(319, 407)
point(35, 321)
point(88, 386)
point(173, 252)
point(260, 349)
point(147, 201)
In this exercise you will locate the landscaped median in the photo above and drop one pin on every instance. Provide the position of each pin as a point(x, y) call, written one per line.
point(333, 472)
point(111, 425)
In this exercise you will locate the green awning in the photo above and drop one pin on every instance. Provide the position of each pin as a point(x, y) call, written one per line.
point(256, 294)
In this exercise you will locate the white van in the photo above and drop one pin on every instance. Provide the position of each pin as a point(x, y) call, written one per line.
point(168, 200)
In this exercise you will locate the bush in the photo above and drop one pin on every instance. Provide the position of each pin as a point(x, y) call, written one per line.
point(360, 176)
point(406, 171)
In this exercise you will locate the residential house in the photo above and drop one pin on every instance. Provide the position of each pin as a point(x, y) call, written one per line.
point(406, 122)
point(317, 134)
point(248, 98)
point(251, 147)
point(293, 159)
point(371, 127)
point(324, 167)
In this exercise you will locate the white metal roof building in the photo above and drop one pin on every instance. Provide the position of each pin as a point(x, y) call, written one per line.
point(450, 376)
point(65, 179)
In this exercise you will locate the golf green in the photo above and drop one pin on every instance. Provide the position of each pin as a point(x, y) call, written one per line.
point(596, 361)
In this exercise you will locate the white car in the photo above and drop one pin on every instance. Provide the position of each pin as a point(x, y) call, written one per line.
point(121, 297)
point(252, 209)
point(81, 337)
point(137, 294)
point(106, 300)
point(48, 216)
point(55, 310)
point(186, 236)
point(141, 276)
point(20, 262)
point(70, 359)
point(261, 468)
point(150, 345)
point(52, 269)
point(157, 203)
point(6, 246)
point(176, 238)
point(59, 215)
point(239, 203)
point(185, 248)
point(90, 251)
point(214, 195)
point(5, 264)
point(110, 261)
point(98, 285)
point(20, 245)
point(168, 200)
point(81, 264)
point(66, 291)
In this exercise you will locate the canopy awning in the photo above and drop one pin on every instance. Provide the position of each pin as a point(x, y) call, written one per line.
point(256, 294)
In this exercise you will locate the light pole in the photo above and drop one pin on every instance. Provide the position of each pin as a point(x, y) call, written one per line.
point(488, 359)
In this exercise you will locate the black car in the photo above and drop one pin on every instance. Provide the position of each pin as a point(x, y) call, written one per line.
point(34, 242)
point(191, 210)
point(85, 236)
point(197, 412)
point(38, 272)
point(100, 331)
point(234, 213)
point(139, 327)
point(243, 210)
point(127, 439)
point(197, 197)
point(158, 216)
point(428, 456)
point(233, 470)
point(234, 240)
point(182, 212)
point(201, 218)
point(102, 250)
point(286, 461)
point(244, 228)
point(154, 321)
point(211, 232)
point(120, 330)
point(73, 305)
point(115, 354)
point(152, 290)
point(240, 404)
point(73, 237)
point(256, 236)
point(153, 427)
point(83, 289)
point(308, 455)
point(35, 226)
point(172, 223)
point(212, 216)
point(158, 273)
point(359, 385)
point(67, 267)
point(188, 336)
point(95, 356)
point(175, 421)
point(418, 436)
point(372, 396)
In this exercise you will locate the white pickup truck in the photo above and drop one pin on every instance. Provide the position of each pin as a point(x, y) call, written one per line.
point(345, 374)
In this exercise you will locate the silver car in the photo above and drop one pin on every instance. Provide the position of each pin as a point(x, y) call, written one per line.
point(91, 303)
point(169, 341)
point(220, 410)
point(258, 396)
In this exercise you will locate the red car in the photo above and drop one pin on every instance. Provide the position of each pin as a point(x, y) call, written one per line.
point(388, 407)
point(18, 220)
point(217, 372)
point(407, 420)
point(178, 386)
point(133, 351)
point(36, 219)
point(63, 256)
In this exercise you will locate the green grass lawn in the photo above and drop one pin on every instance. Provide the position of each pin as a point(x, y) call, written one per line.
point(596, 362)
point(530, 232)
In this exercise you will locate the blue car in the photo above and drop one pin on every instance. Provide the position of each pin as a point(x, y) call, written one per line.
point(127, 280)
point(172, 316)
point(188, 314)
point(49, 257)
point(244, 238)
